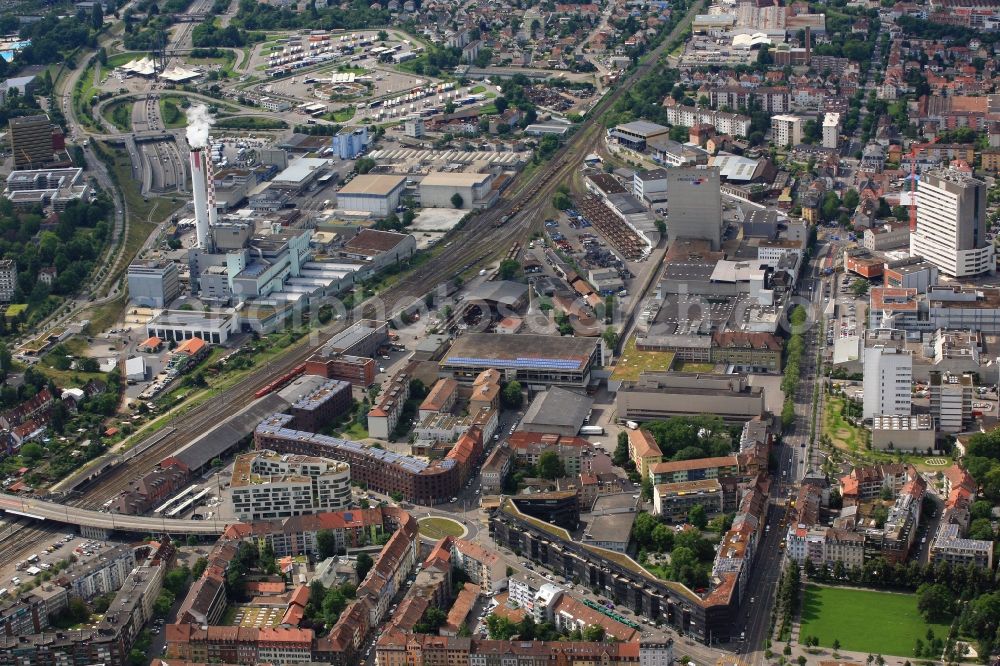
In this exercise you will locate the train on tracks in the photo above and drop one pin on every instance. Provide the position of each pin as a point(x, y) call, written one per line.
point(527, 196)
point(281, 381)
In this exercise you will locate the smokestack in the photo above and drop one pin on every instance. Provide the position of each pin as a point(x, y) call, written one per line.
point(199, 190)
point(213, 215)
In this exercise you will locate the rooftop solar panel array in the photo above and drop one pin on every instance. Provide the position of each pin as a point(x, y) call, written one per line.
point(521, 362)
point(274, 428)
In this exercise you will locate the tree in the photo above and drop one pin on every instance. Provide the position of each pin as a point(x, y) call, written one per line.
point(561, 201)
point(457, 201)
point(851, 199)
point(550, 466)
point(610, 336)
point(198, 568)
point(981, 509)
point(508, 269)
point(680, 133)
point(511, 396)
point(97, 17)
point(663, 538)
point(418, 390)
point(980, 528)
point(500, 628)
point(364, 165)
point(593, 633)
point(500, 103)
point(176, 580)
point(620, 456)
point(859, 287)
point(364, 565)
point(164, 602)
point(326, 544)
point(697, 516)
point(836, 644)
point(32, 452)
point(830, 207)
point(647, 489)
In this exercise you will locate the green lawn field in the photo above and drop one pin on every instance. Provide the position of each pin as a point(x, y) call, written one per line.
point(864, 621)
point(437, 528)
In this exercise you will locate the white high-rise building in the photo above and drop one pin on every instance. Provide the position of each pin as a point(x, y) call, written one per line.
point(786, 130)
point(831, 130)
point(951, 400)
point(951, 224)
point(888, 374)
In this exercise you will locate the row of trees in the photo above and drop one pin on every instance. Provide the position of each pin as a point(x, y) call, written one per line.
point(253, 15)
point(793, 360)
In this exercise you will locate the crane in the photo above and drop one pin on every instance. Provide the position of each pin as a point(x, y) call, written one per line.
point(915, 149)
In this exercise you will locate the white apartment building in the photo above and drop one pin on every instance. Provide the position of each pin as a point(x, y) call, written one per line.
point(724, 122)
point(888, 374)
point(102, 574)
point(8, 280)
point(537, 597)
point(951, 400)
point(831, 130)
point(267, 485)
point(951, 224)
point(786, 130)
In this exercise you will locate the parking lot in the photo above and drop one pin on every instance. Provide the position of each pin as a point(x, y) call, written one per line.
point(61, 546)
point(851, 312)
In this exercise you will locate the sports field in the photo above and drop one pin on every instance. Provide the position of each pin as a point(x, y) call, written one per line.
point(864, 621)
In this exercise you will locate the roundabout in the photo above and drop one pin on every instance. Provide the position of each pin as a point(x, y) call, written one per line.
point(436, 528)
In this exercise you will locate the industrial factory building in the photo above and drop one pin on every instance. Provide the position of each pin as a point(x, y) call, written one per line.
point(377, 195)
point(438, 189)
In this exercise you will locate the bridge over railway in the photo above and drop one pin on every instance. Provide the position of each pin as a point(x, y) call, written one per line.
point(37, 509)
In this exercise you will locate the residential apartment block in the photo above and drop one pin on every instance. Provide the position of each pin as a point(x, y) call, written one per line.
point(643, 450)
point(266, 486)
point(483, 567)
point(950, 547)
point(673, 501)
point(724, 123)
point(677, 471)
point(384, 415)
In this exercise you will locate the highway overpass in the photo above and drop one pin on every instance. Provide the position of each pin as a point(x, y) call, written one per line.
point(63, 513)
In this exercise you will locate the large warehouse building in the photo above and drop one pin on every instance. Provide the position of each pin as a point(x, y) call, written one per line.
point(537, 361)
point(476, 189)
point(376, 194)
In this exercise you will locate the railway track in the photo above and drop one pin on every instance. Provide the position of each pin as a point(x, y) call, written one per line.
point(486, 235)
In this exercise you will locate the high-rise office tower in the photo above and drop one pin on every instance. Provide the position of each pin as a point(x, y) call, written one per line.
point(951, 224)
point(888, 375)
point(694, 204)
point(31, 141)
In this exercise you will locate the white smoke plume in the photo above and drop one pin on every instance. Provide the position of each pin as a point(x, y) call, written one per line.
point(199, 121)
